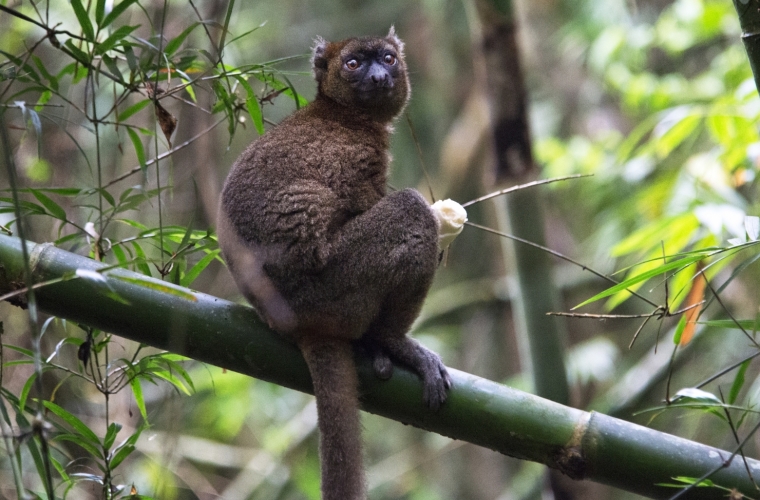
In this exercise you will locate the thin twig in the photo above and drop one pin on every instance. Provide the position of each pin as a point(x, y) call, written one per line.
point(736, 437)
point(165, 154)
point(422, 159)
point(605, 316)
point(560, 256)
point(523, 186)
point(736, 322)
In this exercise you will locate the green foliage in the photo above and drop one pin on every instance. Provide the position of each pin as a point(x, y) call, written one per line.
point(104, 84)
point(674, 201)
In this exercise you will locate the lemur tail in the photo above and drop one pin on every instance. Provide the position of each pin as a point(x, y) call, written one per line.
point(333, 371)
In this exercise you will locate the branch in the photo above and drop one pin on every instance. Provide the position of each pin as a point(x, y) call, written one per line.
point(580, 444)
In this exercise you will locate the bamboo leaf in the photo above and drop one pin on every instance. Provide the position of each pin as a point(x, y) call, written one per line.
point(157, 286)
point(134, 383)
point(139, 150)
point(142, 262)
point(643, 277)
point(679, 330)
point(113, 430)
point(175, 43)
point(79, 55)
point(125, 448)
point(738, 382)
point(123, 453)
point(116, 12)
point(253, 106)
point(746, 324)
point(100, 11)
point(135, 108)
point(93, 449)
point(752, 226)
point(52, 207)
point(25, 391)
point(84, 20)
point(698, 396)
point(74, 422)
point(196, 270)
point(177, 368)
point(118, 252)
point(172, 379)
point(114, 38)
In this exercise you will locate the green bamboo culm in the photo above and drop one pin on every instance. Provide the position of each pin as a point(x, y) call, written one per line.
point(749, 19)
point(580, 444)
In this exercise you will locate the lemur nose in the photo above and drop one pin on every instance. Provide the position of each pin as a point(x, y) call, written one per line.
point(378, 74)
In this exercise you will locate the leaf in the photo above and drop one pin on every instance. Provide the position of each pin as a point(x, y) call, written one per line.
point(135, 108)
point(157, 286)
point(746, 324)
point(93, 449)
point(100, 11)
point(172, 379)
point(139, 400)
point(196, 270)
point(22, 397)
point(126, 447)
point(52, 80)
point(177, 368)
point(695, 296)
point(114, 38)
point(139, 150)
point(118, 252)
point(132, 61)
point(687, 480)
point(698, 395)
point(107, 196)
point(253, 106)
point(59, 191)
point(142, 262)
point(123, 453)
point(52, 207)
point(175, 43)
point(84, 20)
point(74, 422)
point(752, 226)
point(678, 263)
point(78, 55)
point(738, 382)
point(679, 330)
point(113, 430)
point(189, 89)
point(116, 12)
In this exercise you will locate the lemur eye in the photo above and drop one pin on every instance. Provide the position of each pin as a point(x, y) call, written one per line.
point(352, 64)
point(389, 59)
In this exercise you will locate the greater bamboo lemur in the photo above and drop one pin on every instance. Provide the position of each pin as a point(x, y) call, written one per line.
point(324, 254)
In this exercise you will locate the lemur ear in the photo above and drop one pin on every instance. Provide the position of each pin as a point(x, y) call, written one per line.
point(318, 59)
point(394, 38)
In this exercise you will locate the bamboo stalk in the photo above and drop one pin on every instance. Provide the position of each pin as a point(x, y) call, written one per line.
point(580, 444)
point(749, 19)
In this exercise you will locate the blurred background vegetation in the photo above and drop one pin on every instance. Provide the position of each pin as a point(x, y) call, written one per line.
point(655, 98)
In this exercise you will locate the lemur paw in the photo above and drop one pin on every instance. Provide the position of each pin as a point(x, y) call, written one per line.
point(436, 383)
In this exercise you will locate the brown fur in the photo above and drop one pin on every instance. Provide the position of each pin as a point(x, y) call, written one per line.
point(324, 254)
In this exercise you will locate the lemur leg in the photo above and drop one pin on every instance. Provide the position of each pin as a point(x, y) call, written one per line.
point(402, 229)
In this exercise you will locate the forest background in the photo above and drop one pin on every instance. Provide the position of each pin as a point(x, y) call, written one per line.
point(654, 98)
